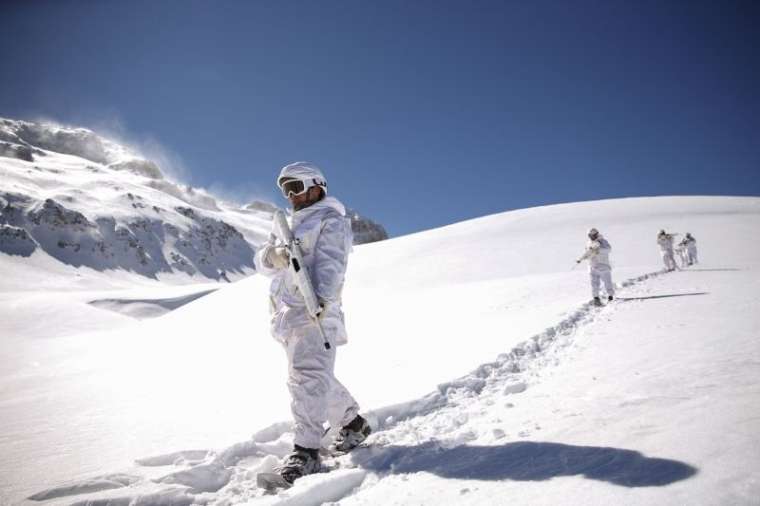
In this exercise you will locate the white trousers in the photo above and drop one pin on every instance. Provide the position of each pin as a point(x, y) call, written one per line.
point(597, 277)
point(668, 260)
point(683, 256)
point(316, 395)
point(692, 254)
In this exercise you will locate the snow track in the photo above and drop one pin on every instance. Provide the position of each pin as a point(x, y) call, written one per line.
point(419, 435)
point(505, 371)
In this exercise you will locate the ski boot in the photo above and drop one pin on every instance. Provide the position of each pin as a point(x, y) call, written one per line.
point(300, 462)
point(610, 298)
point(597, 302)
point(350, 436)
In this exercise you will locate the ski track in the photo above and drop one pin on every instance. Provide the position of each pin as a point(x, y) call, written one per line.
point(227, 477)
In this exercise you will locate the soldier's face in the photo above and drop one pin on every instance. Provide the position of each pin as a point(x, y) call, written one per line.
point(305, 199)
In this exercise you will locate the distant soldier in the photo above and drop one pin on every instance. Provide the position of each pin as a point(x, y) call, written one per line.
point(599, 267)
point(691, 248)
point(682, 254)
point(665, 241)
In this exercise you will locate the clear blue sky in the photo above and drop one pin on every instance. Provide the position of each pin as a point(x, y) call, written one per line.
point(422, 113)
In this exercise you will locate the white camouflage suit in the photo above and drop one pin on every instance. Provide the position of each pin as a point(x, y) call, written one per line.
point(682, 254)
point(691, 249)
point(599, 267)
point(324, 234)
point(665, 241)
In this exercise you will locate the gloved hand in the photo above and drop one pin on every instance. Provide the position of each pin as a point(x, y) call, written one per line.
point(278, 257)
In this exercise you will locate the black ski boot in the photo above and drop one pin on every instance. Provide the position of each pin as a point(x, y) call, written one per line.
point(610, 298)
point(300, 462)
point(597, 302)
point(351, 436)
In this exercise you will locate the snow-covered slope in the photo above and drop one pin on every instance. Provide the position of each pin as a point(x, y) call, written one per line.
point(472, 347)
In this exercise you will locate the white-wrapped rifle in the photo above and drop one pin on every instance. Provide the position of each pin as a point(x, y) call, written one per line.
point(300, 272)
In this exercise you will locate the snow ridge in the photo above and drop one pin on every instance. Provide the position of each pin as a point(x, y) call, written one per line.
point(87, 201)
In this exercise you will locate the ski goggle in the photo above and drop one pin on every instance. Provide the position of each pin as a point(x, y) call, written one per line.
point(292, 186)
point(296, 186)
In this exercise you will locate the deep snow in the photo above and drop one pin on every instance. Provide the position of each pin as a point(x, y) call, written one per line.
point(472, 347)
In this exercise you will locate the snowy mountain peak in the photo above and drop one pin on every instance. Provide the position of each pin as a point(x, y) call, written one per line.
point(88, 201)
point(81, 142)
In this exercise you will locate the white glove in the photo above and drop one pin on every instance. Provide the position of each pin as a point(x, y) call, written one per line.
point(278, 257)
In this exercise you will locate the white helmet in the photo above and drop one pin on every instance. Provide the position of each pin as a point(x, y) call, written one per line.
point(593, 233)
point(308, 173)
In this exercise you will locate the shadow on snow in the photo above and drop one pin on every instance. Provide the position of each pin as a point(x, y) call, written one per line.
point(729, 269)
point(147, 308)
point(528, 461)
point(662, 296)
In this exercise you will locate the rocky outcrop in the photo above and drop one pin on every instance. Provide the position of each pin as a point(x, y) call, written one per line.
point(54, 215)
point(205, 246)
point(16, 241)
point(19, 151)
point(112, 209)
point(212, 246)
point(365, 230)
point(71, 141)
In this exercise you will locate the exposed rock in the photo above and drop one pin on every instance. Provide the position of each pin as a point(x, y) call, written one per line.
point(54, 215)
point(19, 151)
point(147, 246)
point(71, 141)
point(212, 246)
point(186, 212)
point(365, 230)
point(12, 206)
point(16, 241)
